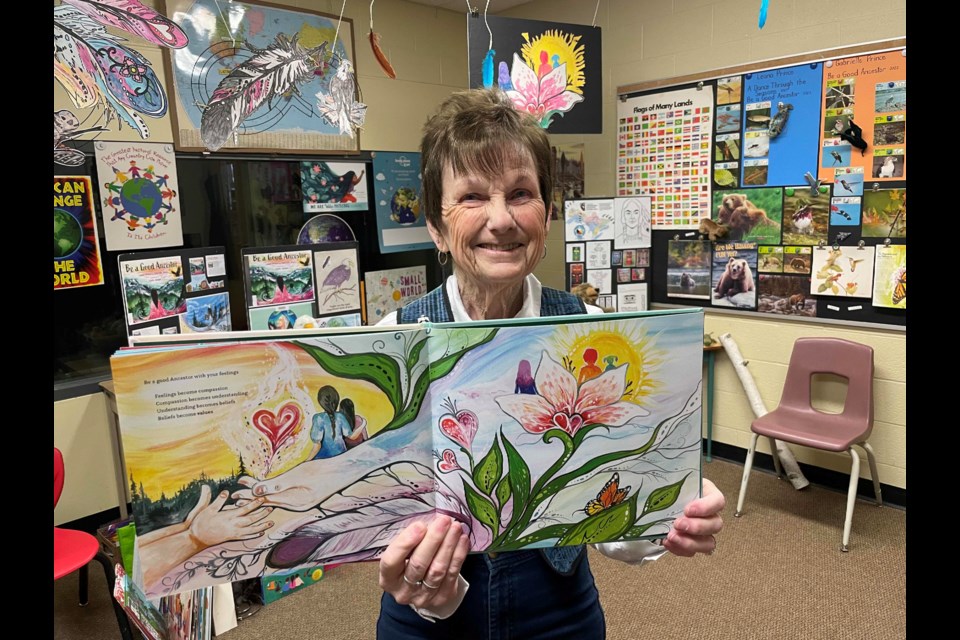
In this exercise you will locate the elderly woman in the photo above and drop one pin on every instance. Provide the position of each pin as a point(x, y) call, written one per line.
point(487, 170)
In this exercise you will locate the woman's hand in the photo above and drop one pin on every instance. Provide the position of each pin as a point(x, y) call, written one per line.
point(694, 531)
point(421, 567)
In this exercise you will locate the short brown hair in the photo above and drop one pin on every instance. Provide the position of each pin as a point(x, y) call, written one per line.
point(480, 131)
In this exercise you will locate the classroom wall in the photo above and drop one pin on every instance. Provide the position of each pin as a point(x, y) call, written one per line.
point(650, 40)
point(426, 46)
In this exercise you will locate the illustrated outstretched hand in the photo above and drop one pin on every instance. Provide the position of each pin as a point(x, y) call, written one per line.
point(211, 523)
point(694, 531)
point(421, 567)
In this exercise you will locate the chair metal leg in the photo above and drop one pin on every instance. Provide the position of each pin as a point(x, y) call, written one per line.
point(776, 458)
point(851, 498)
point(122, 621)
point(872, 459)
point(748, 465)
point(84, 574)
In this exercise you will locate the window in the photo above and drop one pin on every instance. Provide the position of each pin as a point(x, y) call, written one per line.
point(235, 202)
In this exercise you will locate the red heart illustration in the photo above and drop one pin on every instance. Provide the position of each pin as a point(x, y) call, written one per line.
point(277, 427)
point(460, 432)
point(469, 422)
point(449, 462)
point(570, 424)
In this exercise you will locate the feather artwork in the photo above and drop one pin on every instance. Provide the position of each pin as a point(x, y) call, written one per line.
point(340, 107)
point(133, 17)
point(66, 126)
point(488, 69)
point(381, 56)
point(268, 74)
point(96, 70)
point(762, 19)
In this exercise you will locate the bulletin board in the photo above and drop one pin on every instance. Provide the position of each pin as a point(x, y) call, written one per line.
point(777, 187)
point(607, 244)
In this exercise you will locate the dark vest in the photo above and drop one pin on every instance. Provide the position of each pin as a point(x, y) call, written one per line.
point(435, 307)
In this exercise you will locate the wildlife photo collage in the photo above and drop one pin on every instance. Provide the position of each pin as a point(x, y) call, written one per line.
point(808, 194)
point(776, 250)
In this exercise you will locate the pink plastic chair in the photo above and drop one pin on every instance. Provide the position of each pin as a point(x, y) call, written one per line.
point(796, 421)
point(73, 550)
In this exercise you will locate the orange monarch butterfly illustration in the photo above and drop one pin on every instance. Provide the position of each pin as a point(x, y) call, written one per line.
point(610, 496)
point(900, 288)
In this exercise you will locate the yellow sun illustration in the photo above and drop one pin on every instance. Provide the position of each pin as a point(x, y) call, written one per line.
point(559, 48)
point(615, 345)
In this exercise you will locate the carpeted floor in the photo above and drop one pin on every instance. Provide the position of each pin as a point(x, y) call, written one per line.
point(777, 573)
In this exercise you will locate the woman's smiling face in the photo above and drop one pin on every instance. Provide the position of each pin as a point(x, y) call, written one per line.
point(495, 228)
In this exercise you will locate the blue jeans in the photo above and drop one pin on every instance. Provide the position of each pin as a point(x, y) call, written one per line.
point(512, 596)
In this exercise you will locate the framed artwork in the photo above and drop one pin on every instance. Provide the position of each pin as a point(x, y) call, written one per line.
point(259, 77)
point(551, 69)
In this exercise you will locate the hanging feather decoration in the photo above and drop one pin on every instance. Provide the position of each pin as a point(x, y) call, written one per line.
point(381, 56)
point(763, 13)
point(503, 77)
point(378, 51)
point(268, 74)
point(131, 16)
point(488, 69)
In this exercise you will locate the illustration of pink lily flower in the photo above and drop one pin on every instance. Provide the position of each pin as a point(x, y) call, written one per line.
point(561, 404)
point(541, 97)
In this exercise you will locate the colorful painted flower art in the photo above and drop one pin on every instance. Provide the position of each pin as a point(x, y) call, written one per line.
point(531, 433)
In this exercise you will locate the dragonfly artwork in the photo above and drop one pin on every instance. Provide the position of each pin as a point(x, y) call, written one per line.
point(102, 73)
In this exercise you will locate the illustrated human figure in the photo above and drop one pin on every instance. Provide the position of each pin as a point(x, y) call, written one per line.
point(611, 362)
point(589, 370)
point(636, 222)
point(525, 381)
point(329, 426)
point(134, 169)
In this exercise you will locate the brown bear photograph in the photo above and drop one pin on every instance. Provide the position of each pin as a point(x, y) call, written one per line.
point(734, 275)
point(750, 215)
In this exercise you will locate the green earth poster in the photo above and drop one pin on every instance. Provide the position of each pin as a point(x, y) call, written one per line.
point(76, 247)
point(138, 195)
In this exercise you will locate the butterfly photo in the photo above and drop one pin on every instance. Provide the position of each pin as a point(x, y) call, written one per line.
point(610, 496)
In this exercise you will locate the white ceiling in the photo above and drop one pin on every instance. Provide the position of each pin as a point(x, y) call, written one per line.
point(461, 5)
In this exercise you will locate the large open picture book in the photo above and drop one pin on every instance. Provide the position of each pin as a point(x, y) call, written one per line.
point(254, 453)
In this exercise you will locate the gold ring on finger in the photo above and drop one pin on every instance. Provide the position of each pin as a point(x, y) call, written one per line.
point(428, 585)
point(418, 583)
